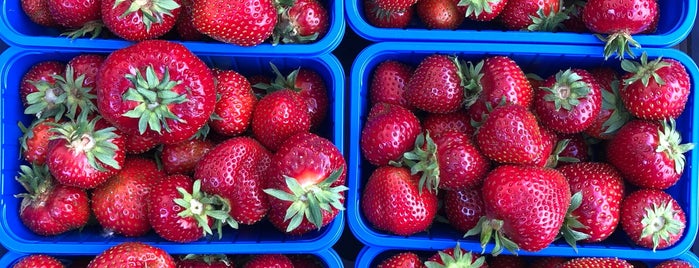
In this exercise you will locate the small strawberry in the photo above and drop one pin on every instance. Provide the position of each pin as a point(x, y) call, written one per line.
point(394, 5)
point(38, 12)
point(182, 158)
point(523, 14)
point(388, 82)
point(568, 102)
point(506, 261)
point(387, 19)
point(205, 261)
point(402, 260)
point(548, 262)
point(389, 131)
point(35, 140)
point(235, 105)
point(592, 262)
point(652, 219)
point(301, 21)
point(440, 14)
point(137, 254)
point(436, 86)
point(675, 264)
point(140, 20)
point(185, 26)
point(286, 105)
point(510, 134)
point(464, 208)
point(613, 114)
point(38, 261)
point(483, 10)
point(438, 124)
point(611, 17)
point(235, 22)
point(38, 90)
point(269, 260)
point(456, 257)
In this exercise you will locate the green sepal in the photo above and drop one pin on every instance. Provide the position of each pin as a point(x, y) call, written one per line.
point(47, 101)
point(423, 161)
point(555, 157)
point(36, 179)
point(152, 11)
point(619, 43)
point(209, 258)
point(77, 95)
point(612, 101)
point(201, 206)
point(644, 70)
point(492, 228)
point(82, 136)
point(551, 22)
point(476, 7)
point(91, 27)
point(460, 259)
point(669, 142)
point(471, 82)
point(567, 91)
point(659, 223)
point(571, 223)
point(280, 81)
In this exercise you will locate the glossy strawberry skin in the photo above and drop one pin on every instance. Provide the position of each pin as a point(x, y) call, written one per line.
point(608, 17)
point(236, 104)
point(286, 105)
point(269, 260)
point(463, 208)
point(182, 158)
point(674, 264)
point(440, 14)
point(233, 22)
point(38, 12)
point(502, 78)
point(577, 148)
point(311, 87)
point(636, 205)
point(43, 71)
point(58, 210)
point(461, 164)
point(390, 130)
point(495, 6)
point(88, 65)
point(131, 27)
point(580, 117)
point(597, 263)
point(395, 19)
point(389, 82)
point(184, 26)
point(394, 5)
point(605, 77)
point(655, 101)
point(516, 14)
point(162, 211)
point(38, 260)
point(236, 170)
point(511, 135)
point(133, 253)
point(136, 144)
point(391, 202)
point(549, 140)
point(438, 124)
point(307, 18)
point(435, 86)
point(73, 13)
point(403, 260)
point(37, 141)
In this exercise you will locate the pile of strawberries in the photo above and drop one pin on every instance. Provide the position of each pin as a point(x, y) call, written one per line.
point(244, 23)
point(136, 254)
point(510, 156)
point(150, 138)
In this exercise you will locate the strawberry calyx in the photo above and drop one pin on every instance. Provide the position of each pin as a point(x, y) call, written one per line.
point(153, 11)
point(287, 29)
point(620, 43)
point(47, 101)
point(612, 101)
point(154, 96)
point(471, 81)
point(567, 91)
point(28, 132)
point(83, 138)
point(280, 82)
point(91, 27)
point(669, 142)
point(36, 179)
point(423, 158)
point(659, 223)
point(571, 222)
point(492, 228)
point(201, 206)
point(476, 7)
point(555, 156)
point(551, 22)
point(208, 258)
point(308, 201)
point(644, 70)
point(77, 95)
point(461, 259)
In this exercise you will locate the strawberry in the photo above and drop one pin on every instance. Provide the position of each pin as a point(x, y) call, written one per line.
point(48, 207)
point(655, 90)
point(510, 134)
point(35, 140)
point(521, 14)
point(649, 154)
point(236, 171)
point(38, 260)
point(306, 261)
point(305, 181)
point(140, 20)
point(674, 264)
point(185, 26)
point(156, 88)
point(387, 19)
point(436, 85)
point(205, 261)
point(440, 14)
point(548, 262)
point(118, 203)
point(391, 201)
point(652, 219)
point(463, 208)
point(550, 148)
point(591, 262)
point(300, 21)
point(38, 12)
point(402, 260)
point(235, 104)
point(613, 114)
point(610, 17)
point(574, 22)
point(182, 158)
point(234, 21)
point(136, 144)
point(483, 10)
point(506, 261)
point(394, 5)
point(525, 207)
point(389, 131)
point(88, 65)
point(574, 149)
point(456, 257)
point(284, 104)
point(269, 260)
point(38, 91)
point(72, 13)
point(77, 88)
point(568, 102)
point(388, 82)
point(133, 253)
point(438, 124)
point(260, 80)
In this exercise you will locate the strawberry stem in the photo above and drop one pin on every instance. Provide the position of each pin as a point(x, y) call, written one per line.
point(551, 22)
point(567, 91)
point(476, 7)
point(201, 206)
point(95, 27)
point(77, 96)
point(47, 101)
point(492, 228)
point(36, 179)
point(425, 161)
point(620, 43)
point(471, 81)
point(555, 157)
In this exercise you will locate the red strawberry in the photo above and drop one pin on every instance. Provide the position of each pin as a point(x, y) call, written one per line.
point(402, 260)
point(35, 140)
point(591, 262)
point(674, 264)
point(611, 17)
point(85, 153)
point(506, 261)
point(38, 261)
point(456, 257)
point(655, 90)
point(48, 207)
point(136, 144)
point(301, 21)
point(140, 20)
point(387, 19)
point(235, 22)
point(88, 65)
point(521, 14)
point(648, 154)
point(118, 203)
point(613, 114)
point(205, 261)
point(568, 102)
point(269, 260)
point(74, 14)
point(306, 261)
point(394, 5)
point(76, 86)
point(390, 130)
point(572, 148)
point(278, 116)
point(389, 81)
point(652, 219)
point(511, 134)
point(392, 202)
point(440, 14)
point(38, 12)
point(438, 124)
point(436, 85)
point(305, 182)
point(157, 89)
point(550, 148)
point(236, 170)
point(181, 158)
point(133, 253)
point(463, 208)
point(185, 26)
point(38, 91)
point(525, 207)
point(483, 10)
point(235, 105)
point(548, 262)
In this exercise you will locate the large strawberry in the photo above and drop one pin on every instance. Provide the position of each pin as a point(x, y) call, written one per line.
point(652, 219)
point(388, 82)
point(137, 254)
point(48, 207)
point(483, 10)
point(403, 260)
point(511, 134)
point(649, 154)
point(235, 104)
point(436, 85)
point(236, 170)
point(42, 71)
point(391, 201)
point(525, 207)
point(532, 14)
point(611, 17)
point(592, 262)
point(156, 88)
point(613, 114)
point(655, 90)
point(390, 130)
point(440, 14)
point(140, 20)
point(35, 140)
point(278, 116)
point(269, 260)
point(463, 208)
point(183, 157)
point(456, 257)
point(568, 102)
point(301, 21)
point(240, 22)
point(387, 19)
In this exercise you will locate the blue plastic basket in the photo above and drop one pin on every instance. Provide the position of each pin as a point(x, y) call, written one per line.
point(16, 29)
point(544, 60)
point(259, 238)
point(329, 257)
point(676, 21)
point(370, 257)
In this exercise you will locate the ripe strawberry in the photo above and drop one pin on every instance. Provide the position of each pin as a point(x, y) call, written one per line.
point(394, 5)
point(74, 14)
point(525, 207)
point(236, 171)
point(389, 131)
point(182, 158)
point(438, 124)
point(510, 134)
point(551, 148)
point(136, 144)
point(402, 260)
point(440, 14)
point(269, 260)
point(548, 262)
point(88, 65)
point(185, 26)
point(506, 261)
point(48, 207)
point(591, 262)
point(140, 20)
point(156, 88)
point(648, 154)
point(300, 21)
point(655, 90)
point(137, 254)
point(38, 261)
point(611, 17)
point(118, 203)
point(205, 261)
point(77, 89)
point(674, 264)
point(392, 202)
point(235, 104)
point(574, 149)
point(436, 85)
point(463, 208)
point(456, 257)
point(652, 219)
point(521, 14)
point(35, 140)
point(568, 102)
point(387, 19)
point(613, 114)
point(286, 105)
point(483, 10)
point(234, 21)
point(38, 12)
point(39, 83)
point(306, 261)
point(389, 82)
